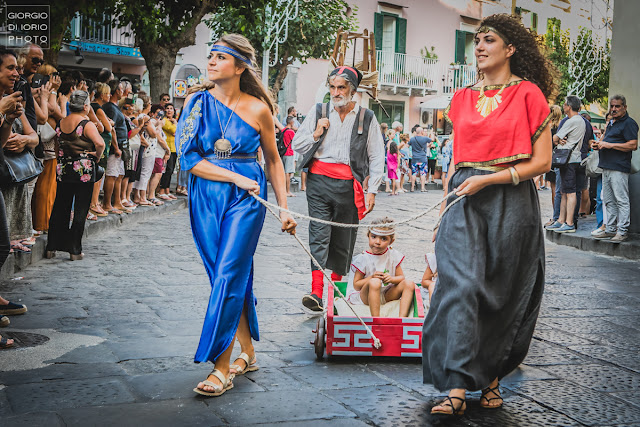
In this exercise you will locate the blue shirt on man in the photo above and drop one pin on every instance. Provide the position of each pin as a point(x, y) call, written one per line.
point(419, 148)
point(618, 132)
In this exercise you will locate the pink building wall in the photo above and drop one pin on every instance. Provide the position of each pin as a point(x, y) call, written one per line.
point(429, 23)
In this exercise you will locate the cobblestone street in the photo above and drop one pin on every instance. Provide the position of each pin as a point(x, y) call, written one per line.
point(123, 326)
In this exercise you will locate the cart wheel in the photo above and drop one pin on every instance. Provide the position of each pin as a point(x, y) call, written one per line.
point(319, 341)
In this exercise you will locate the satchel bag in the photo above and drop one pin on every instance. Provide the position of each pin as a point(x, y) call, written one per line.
point(560, 157)
point(635, 162)
point(590, 165)
point(21, 168)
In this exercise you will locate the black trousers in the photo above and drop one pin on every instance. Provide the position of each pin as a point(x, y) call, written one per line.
point(165, 181)
point(61, 236)
point(331, 199)
point(5, 245)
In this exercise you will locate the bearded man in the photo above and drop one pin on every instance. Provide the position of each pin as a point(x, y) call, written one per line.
point(341, 144)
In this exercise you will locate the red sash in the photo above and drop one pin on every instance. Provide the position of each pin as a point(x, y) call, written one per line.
point(341, 171)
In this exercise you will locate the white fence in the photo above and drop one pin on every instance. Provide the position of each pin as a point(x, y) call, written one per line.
point(399, 70)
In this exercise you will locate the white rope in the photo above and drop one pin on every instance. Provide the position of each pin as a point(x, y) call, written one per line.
point(270, 207)
point(376, 342)
point(359, 225)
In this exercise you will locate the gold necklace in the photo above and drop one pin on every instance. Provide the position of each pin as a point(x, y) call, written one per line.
point(485, 104)
point(222, 147)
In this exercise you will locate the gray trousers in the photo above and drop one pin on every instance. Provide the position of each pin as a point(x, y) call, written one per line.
point(615, 195)
point(331, 199)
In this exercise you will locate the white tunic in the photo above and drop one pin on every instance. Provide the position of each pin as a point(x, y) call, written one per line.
point(336, 146)
point(368, 263)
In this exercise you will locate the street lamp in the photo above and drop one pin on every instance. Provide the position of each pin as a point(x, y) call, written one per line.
point(277, 31)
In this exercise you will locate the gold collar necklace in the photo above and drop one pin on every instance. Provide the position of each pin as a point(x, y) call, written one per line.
point(486, 104)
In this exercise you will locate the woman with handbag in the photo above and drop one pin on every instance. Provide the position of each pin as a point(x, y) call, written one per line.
point(18, 153)
point(80, 147)
point(11, 108)
point(45, 187)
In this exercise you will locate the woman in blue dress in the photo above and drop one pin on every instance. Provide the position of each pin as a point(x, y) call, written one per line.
point(219, 133)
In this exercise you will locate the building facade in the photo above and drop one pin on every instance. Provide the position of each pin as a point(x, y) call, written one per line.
point(414, 86)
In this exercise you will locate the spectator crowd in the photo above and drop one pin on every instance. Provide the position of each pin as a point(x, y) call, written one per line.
point(75, 149)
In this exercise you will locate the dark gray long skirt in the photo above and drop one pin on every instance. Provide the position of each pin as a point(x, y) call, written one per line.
point(490, 251)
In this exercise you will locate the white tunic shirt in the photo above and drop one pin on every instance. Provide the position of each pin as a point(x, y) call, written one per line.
point(337, 143)
point(368, 263)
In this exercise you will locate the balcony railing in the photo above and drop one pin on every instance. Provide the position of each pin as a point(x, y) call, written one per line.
point(405, 71)
point(458, 76)
point(90, 31)
point(401, 71)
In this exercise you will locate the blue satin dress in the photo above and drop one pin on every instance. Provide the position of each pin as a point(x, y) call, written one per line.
point(225, 220)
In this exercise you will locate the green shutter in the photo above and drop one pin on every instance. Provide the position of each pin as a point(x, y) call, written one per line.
point(401, 35)
point(534, 22)
point(461, 40)
point(378, 28)
point(518, 11)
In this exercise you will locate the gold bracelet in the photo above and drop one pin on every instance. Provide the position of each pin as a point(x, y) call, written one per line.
point(515, 178)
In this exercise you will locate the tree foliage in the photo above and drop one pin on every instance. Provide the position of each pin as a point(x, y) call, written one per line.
point(161, 29)
point(566, 55)
point(310, 35)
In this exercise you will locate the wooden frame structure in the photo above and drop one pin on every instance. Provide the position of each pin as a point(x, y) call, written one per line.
point(367, 66)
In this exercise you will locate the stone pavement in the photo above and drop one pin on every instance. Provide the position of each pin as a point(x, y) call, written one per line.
point(113, 336)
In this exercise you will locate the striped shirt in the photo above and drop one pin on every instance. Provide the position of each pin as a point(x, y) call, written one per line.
point(337, 144)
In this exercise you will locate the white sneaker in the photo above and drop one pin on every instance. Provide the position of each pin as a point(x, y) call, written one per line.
point(597, 231)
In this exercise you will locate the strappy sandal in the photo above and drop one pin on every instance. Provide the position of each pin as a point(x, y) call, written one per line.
point(496, 393)
point(19, 247)
point(454, 411)
point(97, 211)
point(227, 384)
point(250, 366)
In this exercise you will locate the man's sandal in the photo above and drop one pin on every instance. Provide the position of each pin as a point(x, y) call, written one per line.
point(227, 384)
point(447, 402)
point(250, 366)
point(485, 401)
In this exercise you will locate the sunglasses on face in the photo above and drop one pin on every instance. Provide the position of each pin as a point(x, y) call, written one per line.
point(37, 61)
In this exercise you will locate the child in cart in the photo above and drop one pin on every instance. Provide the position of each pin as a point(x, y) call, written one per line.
point(429, 277)
point(376, 275)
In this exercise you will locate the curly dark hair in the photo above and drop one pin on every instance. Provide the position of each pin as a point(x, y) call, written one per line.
point(528, 61)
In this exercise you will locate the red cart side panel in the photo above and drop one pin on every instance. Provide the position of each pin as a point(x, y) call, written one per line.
point(400, 336)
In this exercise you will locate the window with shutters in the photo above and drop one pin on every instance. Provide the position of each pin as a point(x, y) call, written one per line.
point(464, 48)
point(390, 33)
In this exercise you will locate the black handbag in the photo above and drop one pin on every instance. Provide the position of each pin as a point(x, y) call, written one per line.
point(560, 158)
point(20, 168)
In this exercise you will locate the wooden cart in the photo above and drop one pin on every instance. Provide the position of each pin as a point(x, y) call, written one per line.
point(345, 335)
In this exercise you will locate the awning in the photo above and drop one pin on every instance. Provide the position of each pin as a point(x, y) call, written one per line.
point(436, 103)
point(595, 118)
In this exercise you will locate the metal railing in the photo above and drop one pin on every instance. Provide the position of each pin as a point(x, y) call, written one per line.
point(458, 76)
point(90, 31)
point(400, 70)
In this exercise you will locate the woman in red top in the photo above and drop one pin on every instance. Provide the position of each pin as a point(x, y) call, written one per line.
point(490, 245)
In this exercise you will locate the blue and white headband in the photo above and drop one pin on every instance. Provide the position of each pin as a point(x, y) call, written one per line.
point(232, 52)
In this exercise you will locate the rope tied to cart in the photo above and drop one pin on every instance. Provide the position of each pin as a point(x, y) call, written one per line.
point(271, 207)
